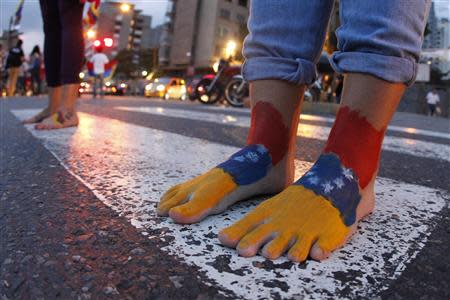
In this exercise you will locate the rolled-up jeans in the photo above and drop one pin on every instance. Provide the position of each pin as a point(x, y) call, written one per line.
point(382, 38)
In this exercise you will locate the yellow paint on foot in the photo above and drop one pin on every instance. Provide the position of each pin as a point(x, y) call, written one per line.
point(191, 201)
point(297, 216)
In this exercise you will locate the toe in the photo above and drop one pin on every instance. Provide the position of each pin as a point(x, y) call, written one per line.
point(300, 250)
point(317, 253)
point(277, 246)
point(252, 242)
point(194, 210)
point(178, 198)
point(231, 235)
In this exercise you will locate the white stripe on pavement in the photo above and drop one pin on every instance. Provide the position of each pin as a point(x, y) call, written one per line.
point(409, 130)
point(128, 167)
point(391, 143)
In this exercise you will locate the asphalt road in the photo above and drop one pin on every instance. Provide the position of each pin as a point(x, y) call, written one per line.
point(77, 209)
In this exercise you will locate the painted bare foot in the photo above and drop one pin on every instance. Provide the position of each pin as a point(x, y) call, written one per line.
point(58, 120)
point(45, 113)
point(319, 212)
point(263, 167)
point(314, 216)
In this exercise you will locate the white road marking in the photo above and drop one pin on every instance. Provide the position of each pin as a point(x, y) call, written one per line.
point(410, 130)
point(128, 167)
point(395, 144)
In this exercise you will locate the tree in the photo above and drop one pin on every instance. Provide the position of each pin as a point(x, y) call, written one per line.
point(125, 65)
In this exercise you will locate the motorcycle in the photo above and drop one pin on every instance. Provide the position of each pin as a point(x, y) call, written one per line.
point(312, 94)
point(210, 88)
point(236, 90)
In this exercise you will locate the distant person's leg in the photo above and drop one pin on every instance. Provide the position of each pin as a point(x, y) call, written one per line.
point(94, 87)
point(52, 54)
point(432, 108)
point(72, 55)
point(101, 84)
point(13, 75)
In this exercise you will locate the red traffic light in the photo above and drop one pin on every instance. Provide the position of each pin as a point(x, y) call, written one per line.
point(97, 43)
point(108, 42)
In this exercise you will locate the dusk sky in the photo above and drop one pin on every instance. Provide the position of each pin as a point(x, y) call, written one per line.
point(31, 23)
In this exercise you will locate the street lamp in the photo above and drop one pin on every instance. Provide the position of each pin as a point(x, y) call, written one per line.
point(144, 73)
point(91, 34)
point(125, 7)
point(230, 49)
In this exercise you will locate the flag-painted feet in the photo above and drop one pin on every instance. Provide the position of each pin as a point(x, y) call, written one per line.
point(247, 173)
point(262, 167)
point(312, 217)
point(318, 213)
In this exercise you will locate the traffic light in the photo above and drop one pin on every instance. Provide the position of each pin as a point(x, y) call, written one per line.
point(97, 43)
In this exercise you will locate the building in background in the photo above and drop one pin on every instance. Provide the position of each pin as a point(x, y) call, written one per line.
point(128, 28)
point(197, 32)
point(436, 45)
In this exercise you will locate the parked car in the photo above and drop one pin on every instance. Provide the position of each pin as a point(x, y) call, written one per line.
point(167, 88)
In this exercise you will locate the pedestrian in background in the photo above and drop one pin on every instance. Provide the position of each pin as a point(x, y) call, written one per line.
point(2, 68)
point(13, 64)
point(64, 53)
point(35, 69)
point(432, 100)
point(99, 60)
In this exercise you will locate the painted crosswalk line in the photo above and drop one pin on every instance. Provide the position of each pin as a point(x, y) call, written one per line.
point(409, 130)
point(128, 167)
point(391, 143)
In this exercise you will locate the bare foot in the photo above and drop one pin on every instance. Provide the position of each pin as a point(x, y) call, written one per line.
point(265, 166)
point(45, 113)
point(247, 173)
point(314, 216)
point(58, 120)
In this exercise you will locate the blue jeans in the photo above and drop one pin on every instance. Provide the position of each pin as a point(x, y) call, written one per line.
point(382, 38)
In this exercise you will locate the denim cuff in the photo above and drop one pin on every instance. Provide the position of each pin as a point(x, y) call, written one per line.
point(389, 68)
point(298, 71)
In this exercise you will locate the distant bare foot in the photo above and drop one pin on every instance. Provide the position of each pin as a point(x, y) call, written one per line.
point(58, 120)
point(45, 113)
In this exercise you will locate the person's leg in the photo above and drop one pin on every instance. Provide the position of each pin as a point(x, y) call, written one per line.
point(101, 85)
point(320, 211)
point(13, 75)
point(52, 54)
point(72, 52)
point(281, 51)
point(94, 87)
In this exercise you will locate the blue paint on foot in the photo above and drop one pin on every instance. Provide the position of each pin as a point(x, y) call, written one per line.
point(248, 165)
point(338, 184)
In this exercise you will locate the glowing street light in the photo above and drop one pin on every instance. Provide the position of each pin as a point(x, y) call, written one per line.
point(91, 34)
point(144, 73)
point(125, 7)
point(108, 42)
point(230, 48)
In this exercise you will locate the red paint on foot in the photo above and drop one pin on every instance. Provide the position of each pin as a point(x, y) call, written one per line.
point(267, 128)
point(357, 144)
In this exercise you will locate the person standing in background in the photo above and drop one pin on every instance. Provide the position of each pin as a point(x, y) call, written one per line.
point(2, 66)
point(432, 100)
point(64, 53)
point(13, 63)
point(35, 69)
point(99, 60)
